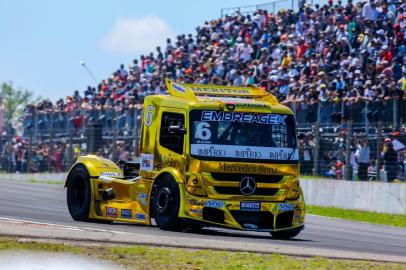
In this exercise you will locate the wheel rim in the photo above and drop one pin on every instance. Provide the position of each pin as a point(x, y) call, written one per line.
point(163, 199)
point(79, 193)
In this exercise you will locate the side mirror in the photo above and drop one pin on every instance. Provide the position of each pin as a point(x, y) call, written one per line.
point(178, 130)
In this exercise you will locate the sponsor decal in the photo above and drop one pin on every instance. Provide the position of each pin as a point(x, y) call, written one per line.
point(178, 87)
point(168, 161)
point(244, 117)
point(211, 151)
point(233, 106)
point(149, 115)
point(147, 162)
point(111, 212)
point(126, 213)
point(140, 216)
point(248, 153)
point(219, 90)
point(250, 206)
point(281, 154)
point(110, 174)
point(285, 207)
point(214, 204)
point(195, 202)
point(196, 211)
point(230, 106)
point(247, 168)
point(142, 198)
point(244, 152)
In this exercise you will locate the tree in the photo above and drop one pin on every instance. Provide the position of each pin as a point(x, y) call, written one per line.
point(14, 101)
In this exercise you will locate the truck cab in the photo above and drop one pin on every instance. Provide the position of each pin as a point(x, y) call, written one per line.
point(209, 156)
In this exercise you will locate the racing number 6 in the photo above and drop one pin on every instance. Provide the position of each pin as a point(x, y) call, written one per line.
point(149, 115)
point(202, 131)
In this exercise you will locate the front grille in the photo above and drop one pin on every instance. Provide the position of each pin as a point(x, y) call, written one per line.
point(262, 219)
point(259, 178)
point(284, 220)
point(237, 191)
point(213, 214)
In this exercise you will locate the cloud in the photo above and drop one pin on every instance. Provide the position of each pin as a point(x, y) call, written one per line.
point(137, 35)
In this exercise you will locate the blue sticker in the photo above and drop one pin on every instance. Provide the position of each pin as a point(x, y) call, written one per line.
point(250, 206)
point(142, 198)
point(285, 207)
point(214, 204)
point(196, 211)
point(140, 216)
point(126, 213)
point(111, 212)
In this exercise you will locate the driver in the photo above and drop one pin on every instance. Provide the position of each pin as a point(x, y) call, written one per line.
point(245, 136)
point(253, 136)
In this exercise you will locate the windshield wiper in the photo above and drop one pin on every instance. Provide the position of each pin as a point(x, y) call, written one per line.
point(291, 154)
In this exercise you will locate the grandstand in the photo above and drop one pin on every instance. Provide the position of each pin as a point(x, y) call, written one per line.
point(340, 67)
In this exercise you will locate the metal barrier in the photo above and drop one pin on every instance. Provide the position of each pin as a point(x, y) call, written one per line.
point(330, 150)
point(52, 141)
point(329, 133)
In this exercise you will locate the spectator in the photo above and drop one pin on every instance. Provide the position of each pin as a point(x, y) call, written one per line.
point(390, 158)
point(317, 61)
point(362, 156)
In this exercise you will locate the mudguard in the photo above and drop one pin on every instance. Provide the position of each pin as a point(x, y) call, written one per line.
point(97, 166)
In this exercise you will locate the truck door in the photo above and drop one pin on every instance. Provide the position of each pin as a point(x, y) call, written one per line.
point(171, 140)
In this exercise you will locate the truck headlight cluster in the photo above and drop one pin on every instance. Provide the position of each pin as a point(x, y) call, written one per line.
point(195, 186)
point(294, 190)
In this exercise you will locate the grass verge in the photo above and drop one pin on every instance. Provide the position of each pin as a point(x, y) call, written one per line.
point(144, 257)
point(373, 217)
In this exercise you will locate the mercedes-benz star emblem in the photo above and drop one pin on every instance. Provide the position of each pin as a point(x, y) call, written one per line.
point(248, 186)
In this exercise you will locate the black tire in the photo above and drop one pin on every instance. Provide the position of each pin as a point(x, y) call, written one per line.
point(166, 203)
point(285, 234)
point(78, 193)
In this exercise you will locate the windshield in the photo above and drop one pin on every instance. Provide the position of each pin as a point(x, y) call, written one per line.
point(220, 135)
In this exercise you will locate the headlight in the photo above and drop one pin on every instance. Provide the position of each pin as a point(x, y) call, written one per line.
point(294, 190)
point(195, 185)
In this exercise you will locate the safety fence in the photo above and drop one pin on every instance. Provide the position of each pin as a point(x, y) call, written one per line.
point(51, 141)
point(332, 151)
point(328, 132)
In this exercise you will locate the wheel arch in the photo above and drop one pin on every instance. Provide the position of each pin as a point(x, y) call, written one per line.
point(95, 166)
point(174, 173)
point(69, 175)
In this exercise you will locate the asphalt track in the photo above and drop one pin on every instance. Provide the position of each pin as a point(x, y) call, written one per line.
point(46, 203)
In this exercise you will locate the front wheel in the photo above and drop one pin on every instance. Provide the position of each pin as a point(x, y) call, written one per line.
point(166, 204)
point(284, 234)
point(78, 193)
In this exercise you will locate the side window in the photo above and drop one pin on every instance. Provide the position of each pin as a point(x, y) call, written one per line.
point(168, 140)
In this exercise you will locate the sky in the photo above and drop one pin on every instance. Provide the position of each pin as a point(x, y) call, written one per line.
point(42, 42)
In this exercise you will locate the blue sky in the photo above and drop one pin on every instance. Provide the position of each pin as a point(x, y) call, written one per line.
point(43, 41)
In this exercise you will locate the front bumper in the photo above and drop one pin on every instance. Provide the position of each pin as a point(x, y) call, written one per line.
point(245, 214)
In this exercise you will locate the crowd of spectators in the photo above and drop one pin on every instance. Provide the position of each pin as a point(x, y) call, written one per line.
point(327, 62)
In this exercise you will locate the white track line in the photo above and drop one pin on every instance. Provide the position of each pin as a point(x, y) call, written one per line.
point(67, 227)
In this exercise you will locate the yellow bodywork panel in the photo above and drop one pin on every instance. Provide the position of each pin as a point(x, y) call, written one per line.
point(211, 180)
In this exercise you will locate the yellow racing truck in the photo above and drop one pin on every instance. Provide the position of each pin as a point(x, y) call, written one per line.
point(218, 156)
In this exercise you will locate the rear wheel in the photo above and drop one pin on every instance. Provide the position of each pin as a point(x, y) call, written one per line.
point(285, 234)
point(78, 193)
point(166, 204)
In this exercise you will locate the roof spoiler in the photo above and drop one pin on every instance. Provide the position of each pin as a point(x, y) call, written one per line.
point(192, 91)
